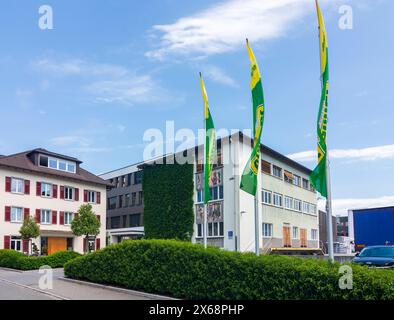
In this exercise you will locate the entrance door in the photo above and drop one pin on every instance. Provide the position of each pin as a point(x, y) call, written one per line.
point(56, 244)
point(286, 236)
point(303, 238)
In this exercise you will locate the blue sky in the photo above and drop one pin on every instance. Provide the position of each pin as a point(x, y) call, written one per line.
point(110, 70)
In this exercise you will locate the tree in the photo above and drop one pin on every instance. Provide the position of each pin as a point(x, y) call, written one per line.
point(29, 229)
point(86, 223)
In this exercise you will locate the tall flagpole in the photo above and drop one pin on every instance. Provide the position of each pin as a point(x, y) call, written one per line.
point(330, 241)
point(205, 231)
point(257, 221)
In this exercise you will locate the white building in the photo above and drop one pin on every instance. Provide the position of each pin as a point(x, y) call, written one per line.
point(50, 187)
point(288, 204)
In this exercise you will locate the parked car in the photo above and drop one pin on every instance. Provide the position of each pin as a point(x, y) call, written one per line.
point(381, 256)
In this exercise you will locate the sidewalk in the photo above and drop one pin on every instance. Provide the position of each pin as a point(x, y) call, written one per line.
point(25, 285)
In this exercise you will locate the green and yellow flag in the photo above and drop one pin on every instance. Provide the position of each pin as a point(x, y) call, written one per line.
point(250, 173)
point(319, 175)
point(210, 143)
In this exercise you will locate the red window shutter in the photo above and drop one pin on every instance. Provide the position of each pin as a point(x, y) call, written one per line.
point(54, 189)
point(25, 244)
point(38, 215)
point(98, 244)
point(84, 245)
point(61, 192)
point(7, 184)
point(7, 242)
point(7, 215)
point(54, 217)
point(85, 195)
point(98, 197)
point(61, 217)
point(27, 186)
point(76, 194)
point(38, 189)
point(26, 213)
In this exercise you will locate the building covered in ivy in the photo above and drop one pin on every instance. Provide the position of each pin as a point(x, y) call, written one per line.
point(287, 201)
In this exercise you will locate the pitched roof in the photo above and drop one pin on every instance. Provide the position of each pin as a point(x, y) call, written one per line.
point(22, 161)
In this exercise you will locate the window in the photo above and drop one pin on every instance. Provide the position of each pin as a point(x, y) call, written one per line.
point(312, 209)
point(115, 222)
point(133, 198)
point(215, 229)
point(112, 203)
point(68, 218)
point(16, 214)
point(138, 177)
point(135, 220)
point(200, 196)
point(295, 233)
point(219, 155)
point(127, 200)
point(266, 167)
point(277, 199)
point(120, 201)
point(217, 193)
point(305, 207)
point(297, 205)
point(140, 198)
point(92, 196)
point(17, 185)
point(46, 216)
point(314, 234)
point(46, 190)
point(57, 164)
point(16, 243)
point(199, 230)
point(305, 183)
point(124, 221)
point(277, 171)
point(297, 180)
point(288, 177)
point(289, 203)
point(267, 230)
point(267, 195)
point(68, 193)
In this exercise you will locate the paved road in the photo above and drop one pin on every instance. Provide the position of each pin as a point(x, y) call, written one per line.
point(25, 285)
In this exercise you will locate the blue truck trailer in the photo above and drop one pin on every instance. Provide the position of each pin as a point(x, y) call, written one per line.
point(371, 227)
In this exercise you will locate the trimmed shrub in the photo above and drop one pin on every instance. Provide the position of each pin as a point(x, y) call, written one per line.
point(16, 260)
point(185, 270)
point(168, 201)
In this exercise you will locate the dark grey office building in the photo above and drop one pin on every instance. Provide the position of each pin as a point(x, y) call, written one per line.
point(125, 204)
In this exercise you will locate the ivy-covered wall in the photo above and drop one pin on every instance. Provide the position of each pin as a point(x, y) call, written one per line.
point(168, 201)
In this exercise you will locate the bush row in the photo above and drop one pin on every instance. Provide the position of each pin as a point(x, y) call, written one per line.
point(16, 260)
point(189, 271)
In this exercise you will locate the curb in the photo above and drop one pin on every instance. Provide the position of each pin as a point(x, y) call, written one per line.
point(121, 290)
point(12, 270)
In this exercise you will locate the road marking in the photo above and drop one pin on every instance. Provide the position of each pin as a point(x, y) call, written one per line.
point(34, 289)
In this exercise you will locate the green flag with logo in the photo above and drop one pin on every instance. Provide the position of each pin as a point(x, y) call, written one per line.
point(319, 175)
point(210, 144)
point(250, 173)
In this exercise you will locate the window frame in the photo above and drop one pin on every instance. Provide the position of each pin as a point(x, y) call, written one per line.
point(67, 219)
point(13, 214)
point(42, 215)
point(46, 184)
point(295, 233)
point(270, 229)
point(263, 196)
point(22, 185)
point(280, 196)
point(16, 240)
point(280, 176)
point(72, 193)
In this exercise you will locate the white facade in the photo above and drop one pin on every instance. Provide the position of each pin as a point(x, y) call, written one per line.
point(53, 212)
point(237, 217)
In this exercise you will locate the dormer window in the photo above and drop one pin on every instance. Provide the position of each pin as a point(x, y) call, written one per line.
point(57, 164)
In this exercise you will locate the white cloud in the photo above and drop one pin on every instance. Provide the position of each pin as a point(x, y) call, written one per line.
point(64, 141)
point(223, 27)
point(366, 154)
point(218, 75)
point(341, 206)
point(104, 83)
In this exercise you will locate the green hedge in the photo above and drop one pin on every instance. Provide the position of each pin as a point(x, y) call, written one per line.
point(185, 270)
point(16, 260)
point(168, 201)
